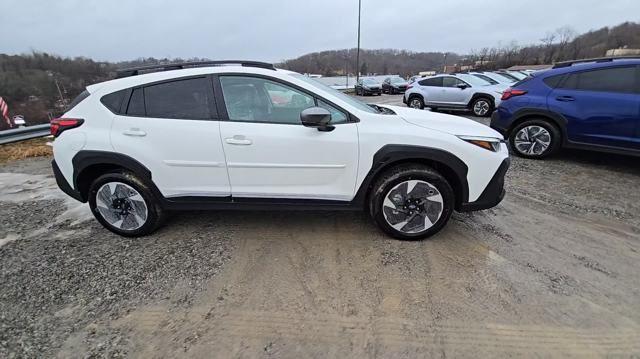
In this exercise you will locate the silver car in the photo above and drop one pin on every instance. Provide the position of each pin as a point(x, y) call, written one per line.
point(458, 91)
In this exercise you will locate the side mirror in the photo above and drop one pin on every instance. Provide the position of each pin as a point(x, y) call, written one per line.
point(462, 86)
point(317, 117)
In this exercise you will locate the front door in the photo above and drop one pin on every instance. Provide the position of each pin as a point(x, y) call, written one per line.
point(452, 94)
point(270, 154)
point(172, 129)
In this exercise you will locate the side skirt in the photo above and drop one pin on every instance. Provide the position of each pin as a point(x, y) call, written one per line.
point(282, 204)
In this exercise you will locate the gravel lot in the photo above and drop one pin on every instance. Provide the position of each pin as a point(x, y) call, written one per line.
point(551, 272)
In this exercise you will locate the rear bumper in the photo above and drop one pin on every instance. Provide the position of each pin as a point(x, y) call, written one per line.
point(492, 194)
point(63, 184)
point(498, 122)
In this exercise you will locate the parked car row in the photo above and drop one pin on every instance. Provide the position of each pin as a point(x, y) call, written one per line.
point(391, 85)
point(589, 104)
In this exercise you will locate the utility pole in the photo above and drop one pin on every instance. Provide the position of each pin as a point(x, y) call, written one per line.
point(358, 53)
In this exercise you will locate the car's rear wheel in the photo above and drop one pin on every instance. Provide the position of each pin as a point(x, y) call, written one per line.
point(125, 205)
point(411, 202)
point(416, 102)
point(482, 107)
point(536, 139)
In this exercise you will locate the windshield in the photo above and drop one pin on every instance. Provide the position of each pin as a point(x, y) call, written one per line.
point(342, 96)
point(370, 82)
point(518, 75)
point(501, 79)
point(397, 80)
point(473, 81)
point(486, 78)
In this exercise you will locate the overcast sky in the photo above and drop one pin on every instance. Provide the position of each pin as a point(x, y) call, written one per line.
point(273, 30)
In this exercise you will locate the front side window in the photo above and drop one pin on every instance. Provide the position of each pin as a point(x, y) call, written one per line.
point(451, 82)
point(337, 116)
point(620, 79)
point(183, 99)
point(252, 99)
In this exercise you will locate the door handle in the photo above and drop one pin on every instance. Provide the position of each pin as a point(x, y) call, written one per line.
point(135, 132)
point(565, 98)
point(238, 140)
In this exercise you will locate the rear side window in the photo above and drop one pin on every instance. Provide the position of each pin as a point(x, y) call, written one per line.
point(182, 99)
point(434, 82)
point(619, 79)
point(113, 101)
point(552, 81)
point(136, 103)
point(84, 94)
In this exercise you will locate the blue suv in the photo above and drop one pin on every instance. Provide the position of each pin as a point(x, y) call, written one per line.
point(588, 104)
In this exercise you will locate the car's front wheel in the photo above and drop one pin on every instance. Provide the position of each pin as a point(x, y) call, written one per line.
point(411, 202)
point(535, 139)
point(125, 205)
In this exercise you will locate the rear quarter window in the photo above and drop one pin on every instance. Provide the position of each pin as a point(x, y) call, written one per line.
point(551, 81)
point(113, 101)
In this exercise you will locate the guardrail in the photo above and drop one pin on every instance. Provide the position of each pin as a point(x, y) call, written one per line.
point(24, 133)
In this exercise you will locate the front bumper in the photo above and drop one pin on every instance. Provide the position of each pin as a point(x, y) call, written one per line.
point(63, 184)
point(492, 194)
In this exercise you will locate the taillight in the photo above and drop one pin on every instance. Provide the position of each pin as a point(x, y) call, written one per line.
point(59, 125)
point(409, 86)
point(509, 93)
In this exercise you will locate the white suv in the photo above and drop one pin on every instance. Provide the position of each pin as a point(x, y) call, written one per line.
point(461, 91)
point(244, 135)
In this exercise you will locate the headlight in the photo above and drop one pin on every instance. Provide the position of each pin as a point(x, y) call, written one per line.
point(488, 143)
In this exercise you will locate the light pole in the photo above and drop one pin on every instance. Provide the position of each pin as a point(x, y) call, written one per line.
point(358, 51)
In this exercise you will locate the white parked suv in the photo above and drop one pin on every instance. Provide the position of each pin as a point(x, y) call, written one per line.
point(459, 91)
point(244, 135)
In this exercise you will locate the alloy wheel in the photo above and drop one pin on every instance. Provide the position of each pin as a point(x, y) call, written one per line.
point(481, 107)
point(532, 140)
point(415, 103)
point(121, 206)
point(412, 206)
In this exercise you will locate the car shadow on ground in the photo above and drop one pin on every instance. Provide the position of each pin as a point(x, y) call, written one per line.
point(613, 162)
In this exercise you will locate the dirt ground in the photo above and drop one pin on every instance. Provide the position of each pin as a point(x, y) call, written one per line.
point(553, 271)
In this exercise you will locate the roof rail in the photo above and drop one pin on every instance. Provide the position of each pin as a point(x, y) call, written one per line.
point(595, 59)
point(134, 71)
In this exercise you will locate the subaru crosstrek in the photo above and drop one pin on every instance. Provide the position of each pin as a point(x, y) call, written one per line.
point(221, 135)
point(589, 104)
point(458, 91)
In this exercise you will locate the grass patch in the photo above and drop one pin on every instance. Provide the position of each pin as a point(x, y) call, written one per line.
point(32, 148)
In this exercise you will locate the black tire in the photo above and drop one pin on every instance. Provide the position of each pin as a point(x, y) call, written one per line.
point(155, 214)
point(391, 91)
point(418, 101)
point(396, 176)
point(488, 108)
point(555, 140)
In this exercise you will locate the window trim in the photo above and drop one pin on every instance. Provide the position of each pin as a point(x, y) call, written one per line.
point(211, 99)
point(636, 79)
point(222, 108)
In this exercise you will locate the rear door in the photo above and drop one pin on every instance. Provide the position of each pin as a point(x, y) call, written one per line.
point(431, 89)
point(602, 106)
point(172, 128)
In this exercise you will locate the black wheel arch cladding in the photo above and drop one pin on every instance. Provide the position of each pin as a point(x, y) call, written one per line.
point(84, 162)
point(453, 168)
